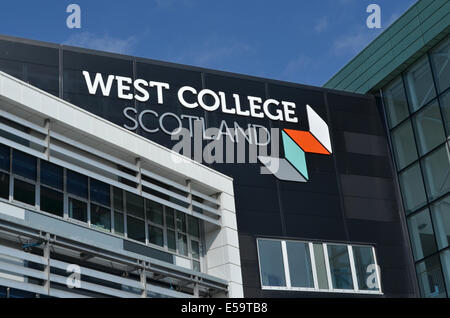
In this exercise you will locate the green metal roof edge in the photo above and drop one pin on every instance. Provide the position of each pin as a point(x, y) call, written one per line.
point(355, 62)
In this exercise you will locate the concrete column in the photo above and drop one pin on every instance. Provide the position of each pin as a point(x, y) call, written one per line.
point(222, 248)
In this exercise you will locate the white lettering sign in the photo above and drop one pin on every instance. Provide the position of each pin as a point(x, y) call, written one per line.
point(191, 98)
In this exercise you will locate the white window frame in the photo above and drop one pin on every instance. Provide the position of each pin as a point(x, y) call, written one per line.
point(330, 289)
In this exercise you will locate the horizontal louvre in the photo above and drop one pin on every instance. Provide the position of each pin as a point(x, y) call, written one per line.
point(92, 282)
point(124, 174)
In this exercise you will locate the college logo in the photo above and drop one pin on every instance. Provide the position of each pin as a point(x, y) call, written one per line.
point(296, 144)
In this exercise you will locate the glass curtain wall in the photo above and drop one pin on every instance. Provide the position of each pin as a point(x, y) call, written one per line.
point(417, 105)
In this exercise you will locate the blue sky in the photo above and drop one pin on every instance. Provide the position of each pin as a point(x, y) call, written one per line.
point(299, 41)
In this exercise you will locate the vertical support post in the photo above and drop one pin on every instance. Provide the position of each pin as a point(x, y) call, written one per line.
point(47, 138)
point(189, 186)
point(353, 268)
point(143, 281)
point(196, 289)
point(139, 176)
point(47, 267)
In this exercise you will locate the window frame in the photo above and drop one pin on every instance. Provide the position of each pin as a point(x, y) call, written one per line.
point(162, 226)
point(40, 185)
point(101, 205)
point(121, 211)
point(131, 215)
point(9, 174)
point(312, 259)
point(36, 183)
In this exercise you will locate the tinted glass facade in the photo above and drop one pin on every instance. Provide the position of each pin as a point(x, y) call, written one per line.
point(417, 104)
point(350, 198)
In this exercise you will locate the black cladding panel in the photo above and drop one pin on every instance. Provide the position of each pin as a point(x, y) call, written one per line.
point(350, 196)
point(34, 64)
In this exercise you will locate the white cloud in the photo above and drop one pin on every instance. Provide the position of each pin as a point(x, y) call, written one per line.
point(321, 25)
point(354, 42)
point(103, 43)
point(305, 69)
point(296, 66)
point(212, 52)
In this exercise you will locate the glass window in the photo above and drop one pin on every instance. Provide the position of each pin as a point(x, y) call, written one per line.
point(430, 278)
point(100, 192)
point(119, 227)
point(77, 210)
point(155, 235)
point(395, 100)
point(182, 244)
point(420, 84)
point(100, 217)
point(445, 260)
point(436, 168)
point(413, 191)
point(445, 106)
point(404, 145)
point(77, 184)
point(136, 229)
point(171, 241)
point(440, 212)
point(24, 165)
point(441, 62)
point(4, 186)
point(271, 263)
point(321, 267)
point(4, 158)
point(196, 266)
point(170, 218)
point(366, 270)
point(135, 205)
point(278, 258)
point(118, 199)
point(24, 192)
point(193, 226)
point(421, 234)
point(51, 175)
point(195, 246)
point(52, 201)
point(299, 261)
point(181, 221)
point(429, 128)
point(154, 212)
point(341, 274)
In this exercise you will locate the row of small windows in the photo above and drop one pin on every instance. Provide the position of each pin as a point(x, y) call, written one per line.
point(66, 193)
point(295, 265)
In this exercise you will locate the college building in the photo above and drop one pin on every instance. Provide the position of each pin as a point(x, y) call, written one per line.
point(122, 176)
